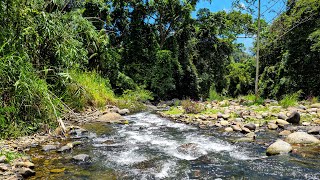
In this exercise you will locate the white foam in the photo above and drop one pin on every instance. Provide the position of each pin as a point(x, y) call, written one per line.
point(166, 168)
point(128, 157)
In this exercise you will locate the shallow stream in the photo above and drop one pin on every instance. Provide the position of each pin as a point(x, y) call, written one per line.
point(148, 148)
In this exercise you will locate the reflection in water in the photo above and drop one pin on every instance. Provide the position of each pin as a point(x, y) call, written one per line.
point(155, 148)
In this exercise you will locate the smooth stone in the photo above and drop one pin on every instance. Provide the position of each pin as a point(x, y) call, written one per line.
point(316, 105)
point(65, 148)
point(306, 123)
point(228, 129)
point(26, 164)
point(279, 147)
point(294, 118)
point(225, 116)
point(250, 126)
point(124, 111)
point(282, 122)
point(236, 128)
point(301, 138)
point(81, 157)
point(285, 133)
point(264, 115)
point(302, 107)
point(111, 118)
point(251, 135)
point(282, 116)
point(245, 139)
point(272, 126)
point(317, 121)
point(26, 172)
point(4, 167)
point(49, 147)
point(314, 130)
point(224, 123)
point(3, 159)
point(245, 130)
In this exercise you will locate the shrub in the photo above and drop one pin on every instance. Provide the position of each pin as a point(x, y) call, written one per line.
point(251, 99)
point(134, 99)
point(214, 95)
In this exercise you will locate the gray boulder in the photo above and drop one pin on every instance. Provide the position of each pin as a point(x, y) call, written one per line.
point(314, 130)
point(279, 147)
point(49, 147)
point(81, 157)
point(251, 126)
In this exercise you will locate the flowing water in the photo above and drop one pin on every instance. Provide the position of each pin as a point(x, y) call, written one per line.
point(148, 148)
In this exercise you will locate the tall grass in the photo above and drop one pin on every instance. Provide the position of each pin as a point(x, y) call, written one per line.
point(214, 95)
point(87, 89)
point(290, 99)
point(251, 99)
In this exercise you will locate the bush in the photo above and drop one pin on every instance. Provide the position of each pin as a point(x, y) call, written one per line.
point(134, 99)
point(251, 99)
point(191, 107)
point(214, 95)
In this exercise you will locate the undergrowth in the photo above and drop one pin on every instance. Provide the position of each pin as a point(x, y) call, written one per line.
point(290, 99)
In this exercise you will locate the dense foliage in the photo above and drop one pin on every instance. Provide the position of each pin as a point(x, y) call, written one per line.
point(58, 55)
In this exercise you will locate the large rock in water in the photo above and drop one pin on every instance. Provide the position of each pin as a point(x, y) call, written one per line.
point(301, 138)
point(279, 147)
point(111, 118)
point(294, 118)
point(191, 149)
point(81, 157)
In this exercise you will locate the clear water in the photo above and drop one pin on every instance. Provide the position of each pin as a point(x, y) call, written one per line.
point(147, 149)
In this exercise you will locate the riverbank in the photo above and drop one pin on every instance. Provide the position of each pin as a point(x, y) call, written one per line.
point(15, 163)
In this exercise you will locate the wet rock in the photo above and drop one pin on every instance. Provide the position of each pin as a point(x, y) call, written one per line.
point(49, 147)
point(190, 149)
point(81, 157)
point(284, 133)
point(124, 111)
point(3, 159)
point(250, 126)
point(76, 143)
point(245, 139)
point(26, 172)
point(306, 123)
point(301, 138)
point(272, 126)
point(282, 116)
point(111, 118)
point(314, 130)
point(294, 118)
point(279, 147)
point(228, 129)
point(64, 149)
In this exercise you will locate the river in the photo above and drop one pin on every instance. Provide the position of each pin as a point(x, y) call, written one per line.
point(148, 148)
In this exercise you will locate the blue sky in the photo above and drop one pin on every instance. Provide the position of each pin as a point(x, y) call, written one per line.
point(269, 9)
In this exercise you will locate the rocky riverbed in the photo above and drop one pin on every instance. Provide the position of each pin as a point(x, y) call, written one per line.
point(276, 130)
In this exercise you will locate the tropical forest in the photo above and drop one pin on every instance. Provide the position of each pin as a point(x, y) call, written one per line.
point(159, 89)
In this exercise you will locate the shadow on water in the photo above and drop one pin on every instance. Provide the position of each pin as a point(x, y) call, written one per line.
point(151, 147)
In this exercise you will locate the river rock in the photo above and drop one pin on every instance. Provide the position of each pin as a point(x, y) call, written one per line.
point(26, 172)
point(314, 130)
point(228, 129)
point(111, 118)
point(65, 148)
point(282, 116)
point(294, 118)
point(285, 133)
point(26, 164)
point(245, 130)
point(251, 135)
point(124, 111)
point(3, 159)
point(272, 126)
point(316, 105)
point(301, 138)
point(224, 123)
point(251, 126)
point(279, 147)
point(282, 122)
point(4, 167)
point(49, 147)
point(236, 128)
point(81, 157)
point(306, 123)
point(190, 149)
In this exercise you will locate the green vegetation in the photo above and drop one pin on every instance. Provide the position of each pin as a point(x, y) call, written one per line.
point(174, 111)
point(10, 155)
point(57, 56)
point(290, 100)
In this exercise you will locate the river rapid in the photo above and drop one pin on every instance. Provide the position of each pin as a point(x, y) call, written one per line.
point(151, 147)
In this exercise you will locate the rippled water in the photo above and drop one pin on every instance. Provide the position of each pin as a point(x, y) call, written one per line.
point(147, 149)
